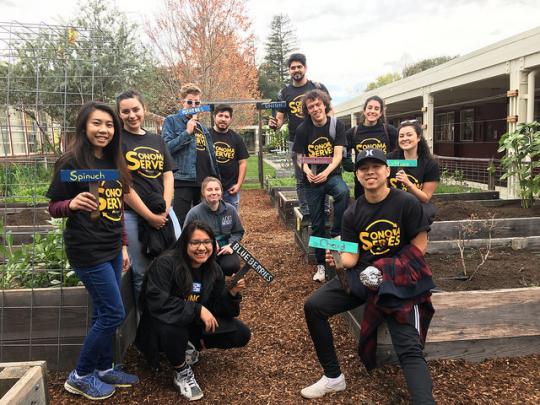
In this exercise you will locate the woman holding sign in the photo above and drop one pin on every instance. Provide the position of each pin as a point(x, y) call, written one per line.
point(184, 297)
point(224, 221)
point(96, 248)
point(422, 180)
point(148, 208)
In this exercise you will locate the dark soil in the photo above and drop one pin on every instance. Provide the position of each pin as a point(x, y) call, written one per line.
point(456, 210)
point(504, 268)
point(280, 360)
point(26, 216)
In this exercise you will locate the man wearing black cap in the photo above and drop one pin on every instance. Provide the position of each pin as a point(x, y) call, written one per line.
point(391, 232)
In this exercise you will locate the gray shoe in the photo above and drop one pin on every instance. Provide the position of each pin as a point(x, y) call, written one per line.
point(185, 382)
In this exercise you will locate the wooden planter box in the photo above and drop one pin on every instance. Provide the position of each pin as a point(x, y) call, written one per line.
point(50, 324)
point(473, 325)
point(473, 196)
point(23, 383)
point(287, 201)
point(520, 233)
point(273, 192)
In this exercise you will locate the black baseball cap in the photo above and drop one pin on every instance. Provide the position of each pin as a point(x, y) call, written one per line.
point(370, 154)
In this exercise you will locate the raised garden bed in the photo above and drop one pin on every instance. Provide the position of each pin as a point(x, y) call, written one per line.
point(23, 383)
point(51, 323)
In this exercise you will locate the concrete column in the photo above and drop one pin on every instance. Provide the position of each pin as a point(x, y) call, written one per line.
point(428, 117)
point(353, 120)
point(517, 106)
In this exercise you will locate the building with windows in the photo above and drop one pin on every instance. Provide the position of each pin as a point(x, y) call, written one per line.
point(466, 104)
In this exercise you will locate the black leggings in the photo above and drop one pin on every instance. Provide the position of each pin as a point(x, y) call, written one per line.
point(329, 300)
point(173, 339)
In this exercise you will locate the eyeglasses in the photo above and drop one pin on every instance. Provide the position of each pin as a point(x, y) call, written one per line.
point(197, 242)
point(409, 122)
point(191, 102)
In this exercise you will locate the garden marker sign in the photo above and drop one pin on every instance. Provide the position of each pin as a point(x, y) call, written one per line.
point(195, 110)
point(92, 177)
point(250, 263)
point(335, 246)
point(402, 162)
point(274, 105)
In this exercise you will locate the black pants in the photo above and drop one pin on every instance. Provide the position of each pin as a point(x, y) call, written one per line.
point(185, 197)
point(330, 300)
point(230, 264)
point(173, 339)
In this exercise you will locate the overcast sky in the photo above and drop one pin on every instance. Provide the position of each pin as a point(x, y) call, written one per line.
point(350, 43)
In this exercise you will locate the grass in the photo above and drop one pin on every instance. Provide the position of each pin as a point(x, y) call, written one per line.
point(252, 173)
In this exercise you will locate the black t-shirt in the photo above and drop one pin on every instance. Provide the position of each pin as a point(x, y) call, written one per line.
point(374, 137)
point(293, 96)
point(382, 229)
point(91, 242)
point(147, 158)
point(230, 148)
point(427, 170)
point(204, 166)
point(312, 141)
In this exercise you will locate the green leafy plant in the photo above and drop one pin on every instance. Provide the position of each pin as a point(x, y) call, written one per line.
point(522, 158)
point(41, 263)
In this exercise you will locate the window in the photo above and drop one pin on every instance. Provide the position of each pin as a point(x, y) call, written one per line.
point(466, 119)
point(444, 126)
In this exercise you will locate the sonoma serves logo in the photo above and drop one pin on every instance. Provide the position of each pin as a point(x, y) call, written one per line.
point(380, 236)
point(371, 143)
point(148, 162)
point(110, 200)
point(224, 152)
point(320, 147)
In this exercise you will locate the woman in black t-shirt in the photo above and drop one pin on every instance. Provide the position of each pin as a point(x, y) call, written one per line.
point(94, 244)
point(420, 181)
point(184, 297)
point(373, 132)
point(149, 204)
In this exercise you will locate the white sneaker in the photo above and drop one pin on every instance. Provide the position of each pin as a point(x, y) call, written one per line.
point(320, 274)
point(337, 237)
point(324, 386)
point(185, 382)
point(192, 354)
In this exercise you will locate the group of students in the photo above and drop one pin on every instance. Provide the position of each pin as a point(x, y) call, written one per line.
point(180, 276)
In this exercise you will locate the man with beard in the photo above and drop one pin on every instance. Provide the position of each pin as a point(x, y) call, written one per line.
point(231, 154)
point(293, 95)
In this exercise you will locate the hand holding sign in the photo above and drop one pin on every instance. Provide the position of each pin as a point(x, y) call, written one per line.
point(274, 106)
point(84, 200)
point(333, 258)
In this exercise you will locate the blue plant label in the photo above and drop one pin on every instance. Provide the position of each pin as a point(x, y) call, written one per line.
point(252, 262)
point(333, 244)
point(402, 162)
point(195, 110)
point(88, 176)
point(274, 105)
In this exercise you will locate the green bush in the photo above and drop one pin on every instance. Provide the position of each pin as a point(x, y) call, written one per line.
point(41, 263)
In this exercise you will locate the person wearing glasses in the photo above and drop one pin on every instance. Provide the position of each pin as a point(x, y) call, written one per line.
point(224, 221)
point(373, 132)
point(422, 180)
point(184, 297)
point(192, 149)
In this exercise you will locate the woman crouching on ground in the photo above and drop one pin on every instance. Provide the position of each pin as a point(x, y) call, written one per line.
point(184, 298)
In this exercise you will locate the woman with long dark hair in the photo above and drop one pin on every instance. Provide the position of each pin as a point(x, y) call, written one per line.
point(185, 299)
point(148, 205)
point(422, 180)
point(373, 132)
point(95, 246)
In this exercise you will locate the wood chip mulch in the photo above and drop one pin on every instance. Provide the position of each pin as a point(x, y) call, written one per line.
point(280, 360)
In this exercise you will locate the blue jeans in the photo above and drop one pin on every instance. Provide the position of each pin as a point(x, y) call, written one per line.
point(102, 282)
point(316, 194)
point(139, 262)
point(233, 199)
point(300, 185)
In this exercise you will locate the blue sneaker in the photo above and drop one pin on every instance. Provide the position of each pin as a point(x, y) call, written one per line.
point(89, 386)
point(117, 377)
